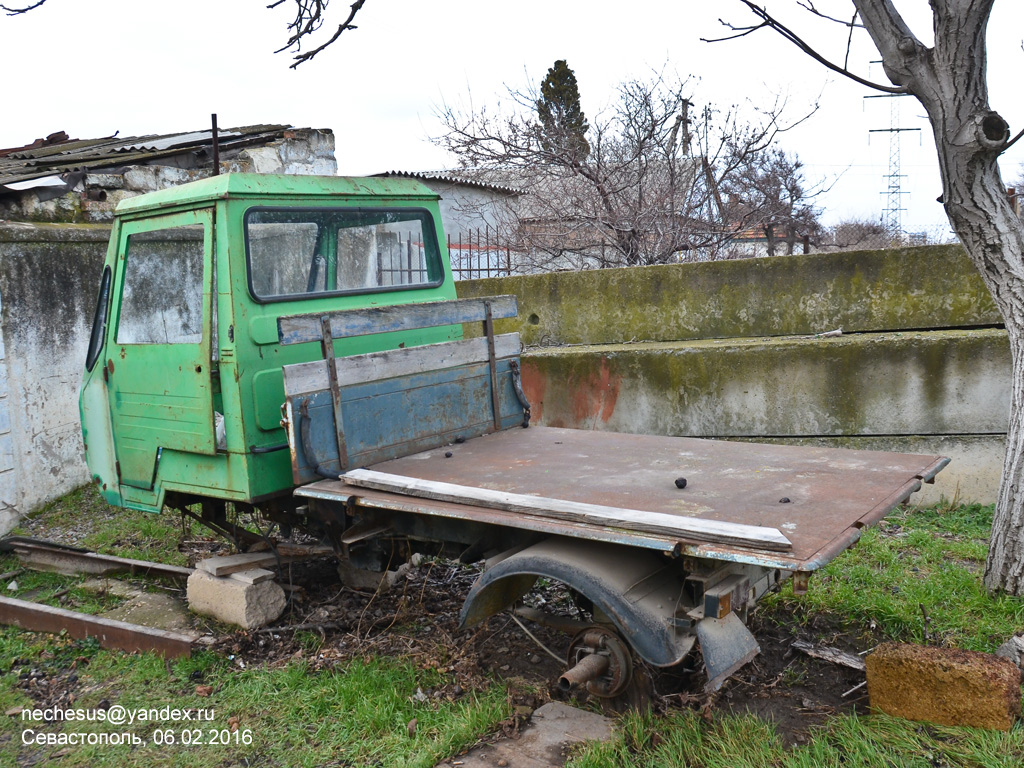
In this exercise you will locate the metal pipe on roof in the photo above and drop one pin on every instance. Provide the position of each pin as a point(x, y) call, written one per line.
point(216, 146)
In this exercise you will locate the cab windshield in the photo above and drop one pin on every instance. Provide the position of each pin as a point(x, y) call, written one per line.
point(305, 253)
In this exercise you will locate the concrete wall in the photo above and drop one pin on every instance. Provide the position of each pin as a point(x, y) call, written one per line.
point(731, 350)
point(49, 276)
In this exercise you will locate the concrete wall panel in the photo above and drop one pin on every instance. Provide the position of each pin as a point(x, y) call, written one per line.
point(862, 291)
point(936, 382)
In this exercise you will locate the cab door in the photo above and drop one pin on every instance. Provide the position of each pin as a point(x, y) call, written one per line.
point(158, 354)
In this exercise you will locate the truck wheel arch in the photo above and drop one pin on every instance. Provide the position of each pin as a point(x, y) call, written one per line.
point(639, 590)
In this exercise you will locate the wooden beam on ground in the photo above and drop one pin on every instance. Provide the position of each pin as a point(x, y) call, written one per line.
point(120, 635)
point(225, 565)
point(252, 576)
point(833, 655)
point(755, 536)
point(53, 557)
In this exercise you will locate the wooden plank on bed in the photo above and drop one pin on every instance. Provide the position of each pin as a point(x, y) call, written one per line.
point(305, 378)
point(300, 329)
point(754, 536)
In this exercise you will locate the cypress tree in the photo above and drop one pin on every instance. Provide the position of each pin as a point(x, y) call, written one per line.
point(563, 124)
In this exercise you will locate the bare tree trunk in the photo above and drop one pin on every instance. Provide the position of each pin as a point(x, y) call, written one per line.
point(769, 236)
point(979, 210)
point(1004, 569)
point(949, 80)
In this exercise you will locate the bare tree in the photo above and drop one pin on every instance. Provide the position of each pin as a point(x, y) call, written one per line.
point(18, 10)
point(856, 234)
point(768, 194)
point(645, 192)
point(949, 80)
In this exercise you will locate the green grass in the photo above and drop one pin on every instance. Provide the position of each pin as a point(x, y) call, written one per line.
point(58, 590)
point(932, 557)
point(687, 739)
point(354, 714)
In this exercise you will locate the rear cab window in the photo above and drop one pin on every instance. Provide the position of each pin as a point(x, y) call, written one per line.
point(313, 252)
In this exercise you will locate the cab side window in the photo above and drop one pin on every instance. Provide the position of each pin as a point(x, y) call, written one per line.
point(162, 297)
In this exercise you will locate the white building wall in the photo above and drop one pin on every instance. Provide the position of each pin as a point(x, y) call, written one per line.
point(8, 484)
point(49, 275)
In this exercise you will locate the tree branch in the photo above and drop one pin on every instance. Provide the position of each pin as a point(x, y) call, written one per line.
point(309, 18)
point(772, 23)
point(809, 6)
point(1012, 141)
point(18, 11)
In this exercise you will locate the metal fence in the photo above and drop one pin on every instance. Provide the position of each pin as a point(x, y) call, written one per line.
point(478, 253)
point(400, 259)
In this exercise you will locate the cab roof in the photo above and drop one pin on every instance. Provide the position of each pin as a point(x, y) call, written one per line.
point(255, 185)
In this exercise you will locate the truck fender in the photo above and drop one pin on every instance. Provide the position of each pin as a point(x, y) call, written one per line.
point(640, 591)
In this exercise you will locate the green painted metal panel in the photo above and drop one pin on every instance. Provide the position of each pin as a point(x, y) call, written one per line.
point(266, 186)
point(158, 356)
point(256, 351)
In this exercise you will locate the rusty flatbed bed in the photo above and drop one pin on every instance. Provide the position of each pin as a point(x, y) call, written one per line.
point(832, 493)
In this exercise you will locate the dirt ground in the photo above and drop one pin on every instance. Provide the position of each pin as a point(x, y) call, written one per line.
point(327, 624)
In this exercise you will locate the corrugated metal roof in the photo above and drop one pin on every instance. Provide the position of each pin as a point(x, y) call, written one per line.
point(447, 178)
point(57, 154)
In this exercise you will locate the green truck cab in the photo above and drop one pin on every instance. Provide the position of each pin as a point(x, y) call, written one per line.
point(182, 390)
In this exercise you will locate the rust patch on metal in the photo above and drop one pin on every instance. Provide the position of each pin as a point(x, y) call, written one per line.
point(535, 385)
point(594, 396)
point(110, 633)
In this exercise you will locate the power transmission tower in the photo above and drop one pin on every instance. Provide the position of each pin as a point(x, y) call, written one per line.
point(891, 215)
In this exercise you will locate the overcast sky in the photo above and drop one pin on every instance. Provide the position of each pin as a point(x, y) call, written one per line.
point(94, 67)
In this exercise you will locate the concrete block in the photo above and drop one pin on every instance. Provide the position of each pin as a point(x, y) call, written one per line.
point(252, 576)
point(233, 601)
point(944, 686)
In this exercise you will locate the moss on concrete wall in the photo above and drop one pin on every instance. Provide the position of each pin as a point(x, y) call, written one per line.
point(865, 291)
point(937, 382)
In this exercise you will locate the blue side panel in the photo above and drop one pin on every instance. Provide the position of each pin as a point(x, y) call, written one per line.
point(396, 417)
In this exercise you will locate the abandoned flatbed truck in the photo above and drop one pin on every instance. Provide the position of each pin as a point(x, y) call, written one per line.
point(294, 346)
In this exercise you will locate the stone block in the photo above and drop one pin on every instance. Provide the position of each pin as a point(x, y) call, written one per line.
point(1013, 649)
point(944, 686)
point(233, 601)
